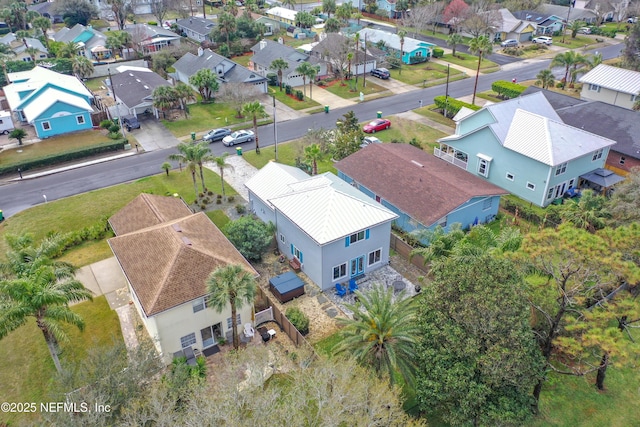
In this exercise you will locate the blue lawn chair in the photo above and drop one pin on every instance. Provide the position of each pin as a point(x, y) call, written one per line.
point(353, 286)
point(340, 290)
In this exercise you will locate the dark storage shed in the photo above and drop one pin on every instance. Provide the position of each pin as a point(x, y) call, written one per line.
point(286, 286)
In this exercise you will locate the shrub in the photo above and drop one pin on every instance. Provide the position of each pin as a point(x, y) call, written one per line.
point(152, 23)
point(250, 236)
point(113, 128)
point(299, 320)
point(418, 59)
point(230, 199)
point(452, 105)
point(507, 89)
point(299, 95)
point(272, 79)
point(397, 141)
point(513, 51)
point(218, 201)
point(206, 200)
point(106, 124)
point(415, 143)
point(287, 89)
point(210, 193)
point(115, 135)
point(240, 209)
point(438, 52)
point(218, 196)
point(203, 206)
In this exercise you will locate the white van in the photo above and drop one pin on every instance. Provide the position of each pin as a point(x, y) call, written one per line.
point(6, 122)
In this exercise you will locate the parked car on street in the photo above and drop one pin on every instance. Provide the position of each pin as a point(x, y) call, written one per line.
point(584, 30)
point(376, 125)
point(509, 43)
point(131, 122)
point(216, 134)
point(381, 73)
point(543, 39)
point(238, 137)
point(632, 20)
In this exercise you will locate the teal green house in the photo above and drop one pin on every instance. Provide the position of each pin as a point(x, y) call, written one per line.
point(413, 50)
point(51, 102)
point(524, 147)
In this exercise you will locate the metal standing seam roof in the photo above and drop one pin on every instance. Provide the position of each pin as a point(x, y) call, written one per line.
point(51, 96)
point(326, 214)
point(273, 180)
point(548, 141)
point(614, 78)
point(392, 40)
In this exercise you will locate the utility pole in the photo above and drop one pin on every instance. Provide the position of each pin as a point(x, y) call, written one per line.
point(446, 93)
point(364, 69)
point(275, 128)
point(564, 27)
point(113, 92)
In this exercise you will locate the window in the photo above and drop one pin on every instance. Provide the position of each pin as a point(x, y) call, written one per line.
point(297, 253)
point(531, 186)
point(442, 222)
point(374, 257)
point(594, 88)
point(188, 340)
point(339, 271)
point(80, 120)
point(560, 169)
point(483, 165)
point(282, 239)
point(200, 304)
point(510, 176)
point(46, 126)
point(597, 155)
point(550, 193)
point(238, 321)
point(378, 199)
point(486, 204)
point(571, 182)
point(356, 237)
point(622, 159)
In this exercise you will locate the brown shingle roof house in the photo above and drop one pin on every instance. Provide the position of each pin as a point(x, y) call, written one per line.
point(422, 189)
point(167, 264)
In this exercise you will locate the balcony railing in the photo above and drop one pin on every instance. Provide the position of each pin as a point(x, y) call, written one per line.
point(451, 158)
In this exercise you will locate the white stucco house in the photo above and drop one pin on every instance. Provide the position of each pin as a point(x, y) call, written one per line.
point(333, 230)
point(166, 254)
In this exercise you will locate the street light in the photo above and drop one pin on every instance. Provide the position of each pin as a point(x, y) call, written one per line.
point(275, 128)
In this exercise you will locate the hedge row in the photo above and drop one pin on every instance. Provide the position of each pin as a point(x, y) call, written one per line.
point(63, 157)
point(452, 105)
point(551, 217)
point(507, 89)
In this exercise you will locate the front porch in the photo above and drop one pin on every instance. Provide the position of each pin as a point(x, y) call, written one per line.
point(451, 155)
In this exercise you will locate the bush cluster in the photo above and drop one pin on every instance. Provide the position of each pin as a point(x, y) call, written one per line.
point(507, 89)
point(535, 46)
point(438, 52)
point(513, 51)
point(299, 320)
point(452, 105)
point(418, 59)
point(299, 95)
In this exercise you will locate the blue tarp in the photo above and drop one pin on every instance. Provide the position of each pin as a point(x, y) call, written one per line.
point(286, 282)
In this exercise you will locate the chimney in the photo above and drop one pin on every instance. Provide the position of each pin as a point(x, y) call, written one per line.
point(200, 51)
point(263, 44)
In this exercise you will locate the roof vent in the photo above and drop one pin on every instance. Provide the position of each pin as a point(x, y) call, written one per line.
point(177, 228)
point(417, 164)
point(186, 240)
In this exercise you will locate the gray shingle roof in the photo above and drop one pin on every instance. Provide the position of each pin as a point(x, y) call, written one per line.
point(266, 51)
point(189, 64)
point(197, 25)
point(134, 87)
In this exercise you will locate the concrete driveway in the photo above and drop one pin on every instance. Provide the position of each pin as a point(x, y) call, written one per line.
point(152, 135)
point(105, 278)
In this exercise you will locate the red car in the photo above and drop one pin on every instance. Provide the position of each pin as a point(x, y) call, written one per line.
point(376, 125)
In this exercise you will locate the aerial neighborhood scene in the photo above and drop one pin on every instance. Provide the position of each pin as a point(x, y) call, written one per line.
point(319, 213)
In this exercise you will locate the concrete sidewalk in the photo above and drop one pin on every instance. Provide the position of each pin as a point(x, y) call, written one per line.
point(324, 97)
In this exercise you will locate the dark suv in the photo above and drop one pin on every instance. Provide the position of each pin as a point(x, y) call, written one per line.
point(381, 73)
point(131, 122)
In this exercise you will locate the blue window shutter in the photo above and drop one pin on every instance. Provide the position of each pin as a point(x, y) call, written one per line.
point(366, 233)
point(346, 242)
point(292, 249)
point(301, 260)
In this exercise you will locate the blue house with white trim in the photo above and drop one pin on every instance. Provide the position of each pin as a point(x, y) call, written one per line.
point(523, 146)
point(53, 103)
point(423, 191)
point(412, 48)
point(331, 228)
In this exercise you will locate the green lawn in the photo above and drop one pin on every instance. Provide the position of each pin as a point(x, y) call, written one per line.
point(74, 213)
point(425, 73)
point(242, 60)
point(429, 112)
point(350, 89)
point(287, 154)
point(95, 84)
point(326, 345)
point(579, 41)
point(293, 102)
point(404, 130)
point(471, 62)
point(203, 117)
point(55, 145)
point(218, 217)
point(27, 370)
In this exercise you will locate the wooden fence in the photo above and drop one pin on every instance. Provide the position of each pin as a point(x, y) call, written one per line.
point(284, 323)
point(404, 250)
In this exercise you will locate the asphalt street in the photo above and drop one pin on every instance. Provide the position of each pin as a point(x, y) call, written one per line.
point(19, 195)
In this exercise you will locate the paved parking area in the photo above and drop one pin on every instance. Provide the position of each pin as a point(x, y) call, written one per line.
point(152, 135)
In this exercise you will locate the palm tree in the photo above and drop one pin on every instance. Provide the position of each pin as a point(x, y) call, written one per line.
point(313, 153)
point(186, 157)
point(480, 46)
point(42, 24)
point(166, 166)
point(19, 134)
point(566, 60)
point(227, 24)
point(35, 285)
point(545, 79)
point(329, 7)
point(454, 40)
point(303, 69)
point(401, 34)
point(349, 58)
point(332, 25)
point(579, 61)
point(82, 66)
point(279, 65)
point(231, 285)
point(164, 98)
point(222, 165)
point(33, 52)
point(184, 93)
point(382, 332)
point(290, 3)
point(255, 110)
point(68, 50)
point(589, 213)
point(202, 154)
point(312, 72)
